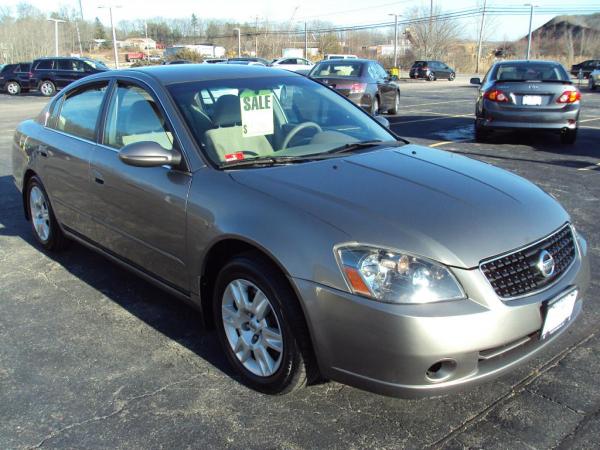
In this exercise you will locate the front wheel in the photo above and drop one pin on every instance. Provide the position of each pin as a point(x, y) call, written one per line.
point(47, 88)
point(41, 215)
point(452, 76)
point(375, 106)
point(13, 88)
point(592, 84)
point(394, 109)
point(257, 318)
point(431, 76)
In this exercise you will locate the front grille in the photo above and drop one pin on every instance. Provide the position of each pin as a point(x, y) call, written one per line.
point(517, 274)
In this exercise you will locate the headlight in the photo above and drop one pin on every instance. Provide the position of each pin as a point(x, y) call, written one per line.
point(394, 277)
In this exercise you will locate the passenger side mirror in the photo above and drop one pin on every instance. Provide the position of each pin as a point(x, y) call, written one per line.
point(476, 81)
point(149, 154)
point(382, 120)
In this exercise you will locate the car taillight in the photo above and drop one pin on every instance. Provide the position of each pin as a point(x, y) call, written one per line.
point(570, 96)
point(358, 88)
point(496, 95)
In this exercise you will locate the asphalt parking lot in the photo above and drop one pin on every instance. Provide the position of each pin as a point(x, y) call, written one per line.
point(93, 357)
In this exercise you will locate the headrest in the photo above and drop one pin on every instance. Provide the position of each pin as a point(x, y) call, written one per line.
point(143, 118)
point(227, 111)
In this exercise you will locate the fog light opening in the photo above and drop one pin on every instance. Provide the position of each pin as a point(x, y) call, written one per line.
point(441, 370)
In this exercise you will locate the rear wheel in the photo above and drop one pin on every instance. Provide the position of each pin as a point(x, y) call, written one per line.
point(481, 134)
point(394, 109)
point(47, 88)
point(260, 325)
point(592, 84)
point(568, 137)
point(431, 76)
point(375, 106)
point(13, 88)
point(43, 222)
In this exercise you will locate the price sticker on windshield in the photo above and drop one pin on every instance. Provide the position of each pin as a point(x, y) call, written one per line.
point(257, 113)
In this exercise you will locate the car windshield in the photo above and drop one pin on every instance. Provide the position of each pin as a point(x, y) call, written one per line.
point(271, 117)
point(339, 69)
point(96, 64)
point(530, 72)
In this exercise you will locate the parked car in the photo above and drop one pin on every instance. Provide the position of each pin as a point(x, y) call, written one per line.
point(214, 60)
point(363, 81)
point(15, 78)
point(247, 60)
point(594, 79)
point(293, 64)
point(315, 241)
point(527, 95)
point(51, 74)
point(586, 67)
point(432, 70)
point(178, 61)
point(340, 56)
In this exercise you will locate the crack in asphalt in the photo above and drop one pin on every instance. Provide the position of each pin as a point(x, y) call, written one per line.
point(550, 399)
point(125, 404)
point(516, 389)
point(581, 424)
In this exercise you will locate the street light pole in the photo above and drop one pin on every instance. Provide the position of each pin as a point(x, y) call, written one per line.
point(395, 39)
point(480, 36)
point(56, 22)
point(239, 33)
point(114, 34)
point(531, 6)
point(305, 40)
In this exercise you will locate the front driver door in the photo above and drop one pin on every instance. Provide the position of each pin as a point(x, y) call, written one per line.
point(140, 211)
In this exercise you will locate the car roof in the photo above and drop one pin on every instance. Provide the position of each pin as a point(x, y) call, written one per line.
point(347, 60)
point(528, 61)
point(181, 73)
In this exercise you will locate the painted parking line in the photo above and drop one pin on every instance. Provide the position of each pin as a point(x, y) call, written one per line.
point(589, 120)
point(591, 167)
point(436, 103)
point(442, 116)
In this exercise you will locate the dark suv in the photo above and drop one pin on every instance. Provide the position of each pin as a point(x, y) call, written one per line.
point(432, 70)
point(14, 78)
point(51, 74)
point(586, 67)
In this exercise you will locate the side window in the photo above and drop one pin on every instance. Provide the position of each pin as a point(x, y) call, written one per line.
point(45, 64)
point(134, 116)
point(79, 111)
point(381, 71)
point(65, 64)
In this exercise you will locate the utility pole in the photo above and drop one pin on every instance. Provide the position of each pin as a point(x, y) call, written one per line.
point(395, 38)
point(531, 6)
point(146, 43)
point(114, 34)
point(56, 22)
point(305, 40)
point(256, 37)
point(79, 38)
point(480, 37)
point(239, 33)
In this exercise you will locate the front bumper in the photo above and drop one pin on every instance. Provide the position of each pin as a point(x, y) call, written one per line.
point(494, 116)
point(390, 349)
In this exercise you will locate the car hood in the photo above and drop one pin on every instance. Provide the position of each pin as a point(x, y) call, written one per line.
point(424, 201)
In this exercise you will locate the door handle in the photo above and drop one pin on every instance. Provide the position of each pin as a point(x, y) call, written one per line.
point(98, 178)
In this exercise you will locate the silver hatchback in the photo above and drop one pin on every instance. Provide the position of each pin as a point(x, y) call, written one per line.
point(316, 242)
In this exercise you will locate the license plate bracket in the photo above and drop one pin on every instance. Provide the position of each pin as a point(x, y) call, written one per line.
point(558, 312)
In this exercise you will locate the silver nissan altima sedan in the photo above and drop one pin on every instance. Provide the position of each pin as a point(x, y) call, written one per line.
point(317, 243)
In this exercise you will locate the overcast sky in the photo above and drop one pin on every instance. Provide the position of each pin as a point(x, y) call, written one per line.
point(339, 12)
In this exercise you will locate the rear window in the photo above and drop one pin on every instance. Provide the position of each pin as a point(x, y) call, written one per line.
point(8, 68)
point(23, 67)
point(45, 64)
point(420, 63)
point(530, 72)
point(338, 69)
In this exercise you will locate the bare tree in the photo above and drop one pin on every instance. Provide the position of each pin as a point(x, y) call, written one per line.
point(431, 34)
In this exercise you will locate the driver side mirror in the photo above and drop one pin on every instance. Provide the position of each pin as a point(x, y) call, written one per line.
point(149, 154)
point(382, 120)
point(476, 81)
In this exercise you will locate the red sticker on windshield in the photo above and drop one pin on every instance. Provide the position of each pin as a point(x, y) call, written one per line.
point(234, 156)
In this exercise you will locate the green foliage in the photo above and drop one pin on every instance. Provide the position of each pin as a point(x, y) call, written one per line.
point(99, 31)
point(186, 53)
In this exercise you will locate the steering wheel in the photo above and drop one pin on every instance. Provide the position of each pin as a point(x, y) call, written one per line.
point(294, 131)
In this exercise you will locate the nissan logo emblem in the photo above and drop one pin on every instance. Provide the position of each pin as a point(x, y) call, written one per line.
point(546, 264)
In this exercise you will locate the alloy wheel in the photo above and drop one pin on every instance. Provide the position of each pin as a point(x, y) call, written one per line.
point(40, 214)
point(252, 328)
point(12, 88)
point(47, 88)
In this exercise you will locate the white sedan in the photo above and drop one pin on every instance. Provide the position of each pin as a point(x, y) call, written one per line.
point(293, 64)
point(594, 79)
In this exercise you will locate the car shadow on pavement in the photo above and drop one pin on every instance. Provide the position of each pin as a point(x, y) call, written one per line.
point(163, 312)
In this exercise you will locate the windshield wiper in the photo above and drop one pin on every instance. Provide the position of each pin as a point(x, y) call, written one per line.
point(266, 161)
point(353, 146)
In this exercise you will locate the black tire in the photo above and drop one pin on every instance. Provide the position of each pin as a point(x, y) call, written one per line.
point(452, 76)
point(394, 109)
point(568, 137)
point(292, 371)
point(13, 88)
point(55, 240)
point(592, 84)
point(481, 134)
point(431, 76)
point(47, 88)
point(375, 105)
